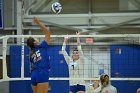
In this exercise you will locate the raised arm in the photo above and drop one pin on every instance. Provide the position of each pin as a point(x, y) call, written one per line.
point(43, 27)
point(64, 43)
point(79, 45)
point(78, 38)
point(65, 54)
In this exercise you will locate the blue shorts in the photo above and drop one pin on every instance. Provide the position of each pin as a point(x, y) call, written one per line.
point(39, 76)
point(76, 88)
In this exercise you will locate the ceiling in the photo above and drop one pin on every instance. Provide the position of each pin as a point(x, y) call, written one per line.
point(87, 16)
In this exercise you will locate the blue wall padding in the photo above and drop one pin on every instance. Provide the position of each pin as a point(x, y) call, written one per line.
point(125, 65)
point(26, 62)
point(59, 68)
point(58, 64)
point(15, 61)
point(126, 86)
point(20, 87)
point(61, 86)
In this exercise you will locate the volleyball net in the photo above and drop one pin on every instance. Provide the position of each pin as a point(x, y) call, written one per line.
point(115, 55)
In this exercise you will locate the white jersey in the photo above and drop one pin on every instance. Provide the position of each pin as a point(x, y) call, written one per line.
point(76, 68)
point(97, 90)
point(90, 89)
point(109, 89)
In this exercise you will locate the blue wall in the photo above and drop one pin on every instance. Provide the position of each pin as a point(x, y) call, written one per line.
point(125, 65)
point(15, 70)
point(1, 14)
point(15, 61)
point(59, 68)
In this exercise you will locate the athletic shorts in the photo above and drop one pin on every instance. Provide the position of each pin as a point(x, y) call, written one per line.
point(76, 88)
point(39, 76)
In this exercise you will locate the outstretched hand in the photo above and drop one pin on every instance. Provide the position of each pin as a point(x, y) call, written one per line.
point(78, 34)
point(43, 27)
point(78, 39)
point(66, 38)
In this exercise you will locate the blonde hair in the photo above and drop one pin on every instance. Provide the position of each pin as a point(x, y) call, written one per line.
point(104, 81)
point(138, 90)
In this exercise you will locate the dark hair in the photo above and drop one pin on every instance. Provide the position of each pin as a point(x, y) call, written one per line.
point(30, 42)
point(75, 49)
point(104, 81)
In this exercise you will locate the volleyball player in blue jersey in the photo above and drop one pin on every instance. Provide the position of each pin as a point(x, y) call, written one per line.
point(39, 60)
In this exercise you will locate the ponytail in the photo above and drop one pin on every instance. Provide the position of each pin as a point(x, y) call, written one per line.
point(104, 81)
point(30, 42)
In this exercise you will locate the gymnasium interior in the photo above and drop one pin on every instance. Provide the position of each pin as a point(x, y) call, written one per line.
point(109, 36)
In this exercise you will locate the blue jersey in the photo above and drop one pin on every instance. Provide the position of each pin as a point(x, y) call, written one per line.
point(40, 59)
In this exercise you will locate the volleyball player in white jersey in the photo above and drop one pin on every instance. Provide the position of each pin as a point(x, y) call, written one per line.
point(94, 86)
point(105, 86)
point(97, 86)
point(76, 66)
point(138, 90)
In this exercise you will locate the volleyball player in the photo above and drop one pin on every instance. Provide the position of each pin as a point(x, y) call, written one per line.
point(76, 66)
point(138, 90)
point(94, 87)
point(97, 86)
point(39, 60)
point(105, 86)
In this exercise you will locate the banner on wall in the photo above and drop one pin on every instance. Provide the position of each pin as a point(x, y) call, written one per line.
point(1, 14)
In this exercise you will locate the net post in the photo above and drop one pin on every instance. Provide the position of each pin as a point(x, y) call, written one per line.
point(4, 58)
point(22, 59)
